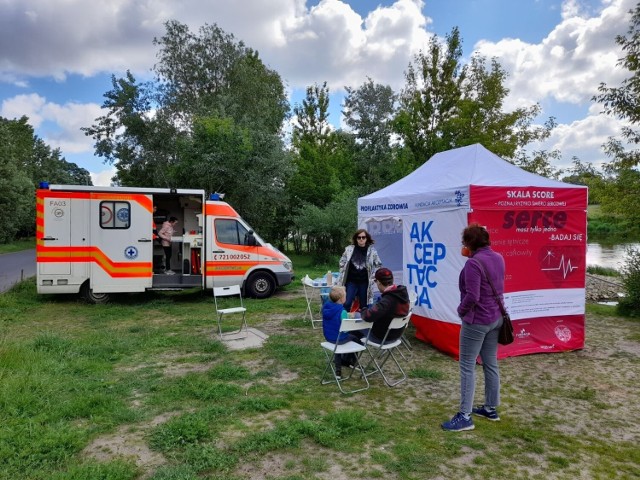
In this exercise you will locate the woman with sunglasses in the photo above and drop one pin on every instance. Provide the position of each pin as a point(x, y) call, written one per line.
point(358, 265)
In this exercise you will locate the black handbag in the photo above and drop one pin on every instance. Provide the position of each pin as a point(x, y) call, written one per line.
point(505, 336)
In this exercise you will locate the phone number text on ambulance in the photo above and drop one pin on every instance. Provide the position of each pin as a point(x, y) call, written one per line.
point(227, 256)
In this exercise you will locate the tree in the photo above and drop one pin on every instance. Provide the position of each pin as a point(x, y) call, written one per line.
point(314, 181)
point(433, 89)
point(446, 105)
point(586, 174)
point(25, 161)
point(624, 101)
point(212, 116)
point(369, 111)
point(213, 74)
point(327, 229)
point(312, 117)
point(17, 192)
point(619, 195)
point(215, 154)
point(141, 145)
point(539, 162)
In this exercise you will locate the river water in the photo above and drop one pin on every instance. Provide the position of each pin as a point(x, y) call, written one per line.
point(608, 256)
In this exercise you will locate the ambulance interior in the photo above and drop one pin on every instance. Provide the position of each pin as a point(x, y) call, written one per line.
point(187, 242)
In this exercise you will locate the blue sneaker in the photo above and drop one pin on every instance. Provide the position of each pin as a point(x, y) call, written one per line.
point(482, 411)
point(458, 423)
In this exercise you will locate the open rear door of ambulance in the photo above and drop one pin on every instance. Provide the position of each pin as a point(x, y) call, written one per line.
point(122, 242)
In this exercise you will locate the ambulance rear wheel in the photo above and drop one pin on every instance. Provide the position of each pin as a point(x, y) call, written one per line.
point(260, 285)
point(92, 297)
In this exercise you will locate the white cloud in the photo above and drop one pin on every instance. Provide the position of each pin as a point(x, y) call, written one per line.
point(583, 138)
point(30, 105)
point(103, 178)
point(329, 41)
point(57, 125)
point(567, 67)
point(569, 64)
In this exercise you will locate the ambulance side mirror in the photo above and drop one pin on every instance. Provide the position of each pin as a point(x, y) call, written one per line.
point(250, 239)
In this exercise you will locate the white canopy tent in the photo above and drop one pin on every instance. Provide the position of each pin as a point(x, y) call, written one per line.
point(538, 224)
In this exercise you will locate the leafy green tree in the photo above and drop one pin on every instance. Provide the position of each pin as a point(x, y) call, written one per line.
point(312, 116)
point(327, 229)
point(619, 196)
point(141, 146)
point(624, 101)
point(629, 305)
point(248, 166)
point(540, 163)
point(315, 180)
point(446, 104)
point(210, 73)
point(369, 111)
point(433, 89)
point(25, 160)
point(212, 119)
point(17, 192)
point(586, 174)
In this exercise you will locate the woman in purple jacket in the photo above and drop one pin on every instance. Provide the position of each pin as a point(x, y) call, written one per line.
point(481, 321)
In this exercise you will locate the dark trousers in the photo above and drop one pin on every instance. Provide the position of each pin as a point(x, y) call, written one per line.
point(346, 358)
point(167, 257)
point(356, 290)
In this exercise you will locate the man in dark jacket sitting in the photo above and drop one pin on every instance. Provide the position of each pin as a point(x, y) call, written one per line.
point(393, 303)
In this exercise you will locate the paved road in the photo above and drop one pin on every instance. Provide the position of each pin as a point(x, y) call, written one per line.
point(15, 267)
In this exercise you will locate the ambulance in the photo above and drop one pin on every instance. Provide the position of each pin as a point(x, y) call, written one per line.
point(98, 241)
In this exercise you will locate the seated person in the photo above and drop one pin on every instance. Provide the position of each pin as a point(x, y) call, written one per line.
point(394, 302)
point(332, 314)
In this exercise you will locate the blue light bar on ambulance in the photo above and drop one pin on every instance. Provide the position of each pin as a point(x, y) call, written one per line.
point(44, 185)
point(216, 196)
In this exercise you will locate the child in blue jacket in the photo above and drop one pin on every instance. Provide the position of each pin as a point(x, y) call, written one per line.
point(332, 314)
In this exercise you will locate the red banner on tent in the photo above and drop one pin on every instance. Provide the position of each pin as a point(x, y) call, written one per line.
point(543, 241)
point(532, 199)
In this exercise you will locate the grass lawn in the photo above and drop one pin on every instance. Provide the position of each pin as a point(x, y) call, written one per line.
point(141, 388)
point(18, 245)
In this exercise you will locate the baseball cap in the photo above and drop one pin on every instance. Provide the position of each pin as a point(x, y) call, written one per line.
point(384, 276)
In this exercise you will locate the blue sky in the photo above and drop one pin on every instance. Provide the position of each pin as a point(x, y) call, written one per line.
point(57, 57)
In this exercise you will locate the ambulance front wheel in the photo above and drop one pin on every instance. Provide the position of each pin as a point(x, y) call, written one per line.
point(92, 297)
point(260, 285)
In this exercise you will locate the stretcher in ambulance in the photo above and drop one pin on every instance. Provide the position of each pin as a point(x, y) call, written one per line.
point(98, 241)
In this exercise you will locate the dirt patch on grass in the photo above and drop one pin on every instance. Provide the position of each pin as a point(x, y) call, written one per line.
point(129, 442)
point(172, 365)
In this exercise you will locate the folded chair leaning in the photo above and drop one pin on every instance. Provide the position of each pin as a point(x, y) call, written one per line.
point(237, 308)
point(381, 352)
point(332, 349)
point(312, 296)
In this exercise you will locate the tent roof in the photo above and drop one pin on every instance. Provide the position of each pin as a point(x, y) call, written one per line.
point(461, 167)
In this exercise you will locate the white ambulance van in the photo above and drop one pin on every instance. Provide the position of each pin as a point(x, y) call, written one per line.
point(99, 241)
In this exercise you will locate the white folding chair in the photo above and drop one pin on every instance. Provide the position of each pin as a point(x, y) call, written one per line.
point(383, 351)
point(332, 349)
point(311, 295)
point(237, 308)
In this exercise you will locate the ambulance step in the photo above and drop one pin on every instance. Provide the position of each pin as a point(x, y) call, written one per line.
point(176, 281)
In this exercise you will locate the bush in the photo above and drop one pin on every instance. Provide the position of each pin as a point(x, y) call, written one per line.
point(630, 304)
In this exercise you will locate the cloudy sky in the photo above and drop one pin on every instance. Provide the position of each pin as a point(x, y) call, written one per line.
point(57, 56)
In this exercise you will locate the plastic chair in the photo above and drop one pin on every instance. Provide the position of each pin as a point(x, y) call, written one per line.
point(311, 292)
point(332, 349)
point(383, 351)
point(234, 290)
